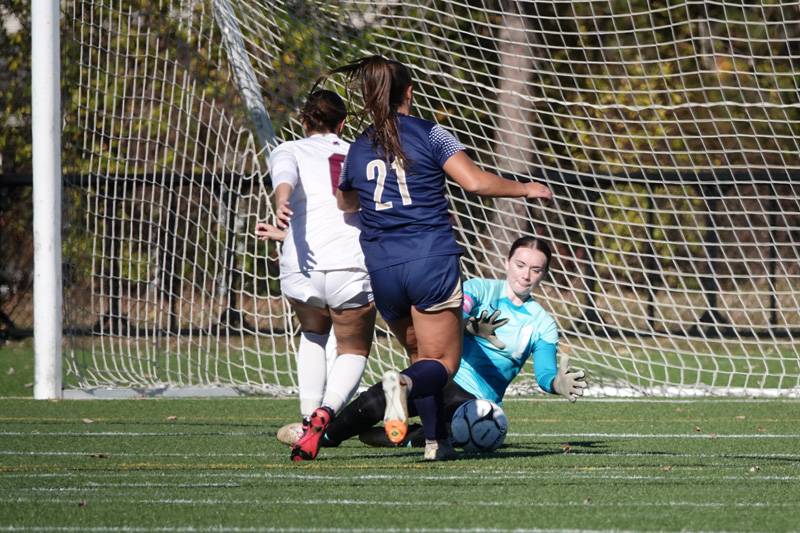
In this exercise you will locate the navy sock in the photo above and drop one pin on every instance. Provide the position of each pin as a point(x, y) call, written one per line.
point(427, 410)
point(430, 413)
point(427, 376)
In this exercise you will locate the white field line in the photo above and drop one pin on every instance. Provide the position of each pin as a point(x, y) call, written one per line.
point(394, 503)
point(212, 455)
point(661, 435)
point(706, 400)
point(39, 434)
point(142, 454)
point(104, 486)
point(510, 398)
point(600, 474)
point(577, 452)
point(233, 529)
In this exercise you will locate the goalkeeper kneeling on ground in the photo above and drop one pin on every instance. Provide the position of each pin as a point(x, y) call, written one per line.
point(504, 327)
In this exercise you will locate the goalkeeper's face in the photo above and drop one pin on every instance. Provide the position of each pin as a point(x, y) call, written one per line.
point(525, 269)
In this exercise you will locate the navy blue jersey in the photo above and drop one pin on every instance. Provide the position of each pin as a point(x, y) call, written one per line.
point(403, 214)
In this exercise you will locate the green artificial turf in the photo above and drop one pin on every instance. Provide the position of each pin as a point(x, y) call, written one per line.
point(214, 465)
point(16, 368)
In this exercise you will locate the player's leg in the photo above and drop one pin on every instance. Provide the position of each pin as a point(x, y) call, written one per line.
point(432, 335)
point(349, 296)
point(315, 326)
point(425, 377)
point(437, 299)
point(357, 416)
point(437, 325)
point(353, 316)
point(438, 343)
point(393, 305)
point(439, 337)
point(305, 292)
point(453, 395)
point(395, 384)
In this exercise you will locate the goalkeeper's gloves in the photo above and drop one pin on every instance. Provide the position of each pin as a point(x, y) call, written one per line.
point(484, 327)
point(569, 383)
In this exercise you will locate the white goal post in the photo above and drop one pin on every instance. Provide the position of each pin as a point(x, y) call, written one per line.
point(669, 133)
point(46, 134)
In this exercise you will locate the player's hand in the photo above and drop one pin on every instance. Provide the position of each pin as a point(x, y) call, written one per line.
point(538, 190)
point(485, 325)
point(266, 231)
point(569, 383)
point(283, 215)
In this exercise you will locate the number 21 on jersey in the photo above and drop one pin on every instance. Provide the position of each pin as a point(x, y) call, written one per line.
point(376, 170)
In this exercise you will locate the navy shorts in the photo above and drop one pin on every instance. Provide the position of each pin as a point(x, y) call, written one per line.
point(423, 283)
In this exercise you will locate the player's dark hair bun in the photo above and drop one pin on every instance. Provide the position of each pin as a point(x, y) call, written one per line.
point(323, 111)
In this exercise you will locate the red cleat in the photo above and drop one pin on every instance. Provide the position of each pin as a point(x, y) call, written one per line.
point(307, 447)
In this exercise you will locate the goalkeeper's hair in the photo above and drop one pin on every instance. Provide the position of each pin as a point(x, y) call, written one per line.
point(323, 111)
point(534, 243)
point(383, 83)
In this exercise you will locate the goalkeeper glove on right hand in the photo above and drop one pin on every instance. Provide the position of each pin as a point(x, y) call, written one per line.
point(569, 383)
point(484, 326)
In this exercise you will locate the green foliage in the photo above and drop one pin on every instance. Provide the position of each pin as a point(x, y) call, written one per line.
point(645, 231)
point(16, 254)
point(616, 89)
point(314, 36)
point(15, 87)
point(121, 91)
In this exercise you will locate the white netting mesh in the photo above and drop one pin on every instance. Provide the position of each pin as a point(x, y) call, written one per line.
point(669, 135)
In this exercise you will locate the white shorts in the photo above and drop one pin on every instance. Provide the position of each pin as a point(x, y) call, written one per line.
point(337, 289)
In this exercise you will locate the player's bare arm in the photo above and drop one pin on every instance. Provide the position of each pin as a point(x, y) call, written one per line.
point(473, 179)
point(283, 214)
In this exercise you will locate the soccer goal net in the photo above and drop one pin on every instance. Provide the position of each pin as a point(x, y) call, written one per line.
point(669, 133)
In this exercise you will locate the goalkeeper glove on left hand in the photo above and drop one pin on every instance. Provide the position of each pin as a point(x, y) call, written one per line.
point(569, 383)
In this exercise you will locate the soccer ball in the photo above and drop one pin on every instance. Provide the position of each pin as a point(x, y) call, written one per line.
point(479, 426)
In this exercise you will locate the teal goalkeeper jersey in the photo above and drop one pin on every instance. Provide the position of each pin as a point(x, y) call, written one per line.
point(485, 370)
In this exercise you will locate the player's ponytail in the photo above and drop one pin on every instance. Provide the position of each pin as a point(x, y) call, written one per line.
point(323, 111)
point(383, 84)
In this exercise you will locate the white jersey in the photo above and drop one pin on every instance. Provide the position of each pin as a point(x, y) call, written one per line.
point(320, 236)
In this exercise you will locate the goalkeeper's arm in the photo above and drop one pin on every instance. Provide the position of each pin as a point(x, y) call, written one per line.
point(557, 380)
point(569, 383)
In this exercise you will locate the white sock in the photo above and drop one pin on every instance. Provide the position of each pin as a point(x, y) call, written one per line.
point(311, 371)
point(343, 380)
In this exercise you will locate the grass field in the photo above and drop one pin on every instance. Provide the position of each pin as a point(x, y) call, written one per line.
point(214, 465)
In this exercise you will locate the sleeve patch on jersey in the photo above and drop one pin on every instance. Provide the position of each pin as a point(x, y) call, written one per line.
point(444, 144)
point(335, 166)
point(468, 304)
